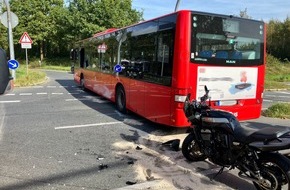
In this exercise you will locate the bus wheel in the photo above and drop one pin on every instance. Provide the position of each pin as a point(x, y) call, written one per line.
point(121, 99)
point(82, 84)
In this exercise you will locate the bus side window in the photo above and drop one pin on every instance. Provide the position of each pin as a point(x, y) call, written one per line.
point(165, 53)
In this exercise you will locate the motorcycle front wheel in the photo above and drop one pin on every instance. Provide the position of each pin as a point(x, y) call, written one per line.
point(191, 150)
point(275, 171)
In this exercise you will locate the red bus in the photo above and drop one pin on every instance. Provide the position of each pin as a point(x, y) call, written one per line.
point(150, 67)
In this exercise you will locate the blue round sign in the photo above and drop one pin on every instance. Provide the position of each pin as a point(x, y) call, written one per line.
point(117, 68)
point(13, 64)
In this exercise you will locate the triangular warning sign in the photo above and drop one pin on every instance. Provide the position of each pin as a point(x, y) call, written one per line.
point(25, 38)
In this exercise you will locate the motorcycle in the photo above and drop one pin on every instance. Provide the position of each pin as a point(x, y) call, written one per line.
point(218, 136)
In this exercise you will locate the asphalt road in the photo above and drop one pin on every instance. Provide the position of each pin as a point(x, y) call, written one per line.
point(56, 136)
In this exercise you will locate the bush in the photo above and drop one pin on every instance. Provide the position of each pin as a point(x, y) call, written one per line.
point(280, 110)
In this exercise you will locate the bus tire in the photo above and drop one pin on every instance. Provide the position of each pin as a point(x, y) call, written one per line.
point(82, 84)
point(121, 99)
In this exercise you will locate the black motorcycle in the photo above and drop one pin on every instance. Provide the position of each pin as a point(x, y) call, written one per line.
point(218, 136)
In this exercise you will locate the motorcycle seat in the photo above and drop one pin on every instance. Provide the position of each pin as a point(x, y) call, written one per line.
point(245, 134)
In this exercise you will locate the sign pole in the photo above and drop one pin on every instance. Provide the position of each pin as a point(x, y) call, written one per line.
point(10, 36)
point(26, 61)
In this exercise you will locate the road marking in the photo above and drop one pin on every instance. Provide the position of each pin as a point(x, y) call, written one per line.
point(57, 93)
point(99, 101)
point(88, 125)
point(270, 95)
point(51, 86)
point(9, 94)
point(37, 87)
point(76, 99)
point(119, 113)
point(283, 96)
point(11, 101)
point(284, 92)
point(73, 99)
point(25, 94)
point(41, 93)
point(265, 100)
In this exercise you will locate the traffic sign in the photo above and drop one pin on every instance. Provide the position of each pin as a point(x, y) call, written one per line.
point(25, 46)
point(117, 68)
point(14, 19)
point(25, 38)
point(13, 64)
point(102, 48)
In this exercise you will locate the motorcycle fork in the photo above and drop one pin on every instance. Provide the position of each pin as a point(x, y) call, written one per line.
point(197, 133)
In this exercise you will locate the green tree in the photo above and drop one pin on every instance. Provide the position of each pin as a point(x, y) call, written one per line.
point(54, 25)
point(88, 17)
point(40, 19)
point(278, 38)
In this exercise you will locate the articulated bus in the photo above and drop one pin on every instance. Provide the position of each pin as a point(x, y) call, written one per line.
point(149, 68)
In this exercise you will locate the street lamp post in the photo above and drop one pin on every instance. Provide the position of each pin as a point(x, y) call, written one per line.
point(177, 5)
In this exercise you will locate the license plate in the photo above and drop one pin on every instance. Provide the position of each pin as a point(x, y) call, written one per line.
point(226, 102)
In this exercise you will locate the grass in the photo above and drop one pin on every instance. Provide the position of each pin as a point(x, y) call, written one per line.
point(280, 110)
point(277, 77)
point(277, 73)
point(34, 75)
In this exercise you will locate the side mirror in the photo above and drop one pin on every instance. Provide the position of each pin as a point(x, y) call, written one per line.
point(5, 83)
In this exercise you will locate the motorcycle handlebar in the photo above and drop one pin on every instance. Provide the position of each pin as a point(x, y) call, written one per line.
point(195, 108)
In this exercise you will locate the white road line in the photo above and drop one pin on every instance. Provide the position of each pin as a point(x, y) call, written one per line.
point(283, 96)
point(11, 101)
point(37, 86)
point(284, 92)
point(76, 99)
point(41, 93)
point(99, 101)
point(88, 125)
point(73, 93)
point(9, 95)
point(265, 100)
point(25, 94)
point(119, 113)
point(57, 93)
point(73, 99)
point(51, 86)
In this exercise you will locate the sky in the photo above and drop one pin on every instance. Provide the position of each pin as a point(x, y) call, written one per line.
point(257, 9)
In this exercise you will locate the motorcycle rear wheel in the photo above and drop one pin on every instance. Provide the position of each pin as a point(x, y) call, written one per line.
point(191, 150)
point(275, 169)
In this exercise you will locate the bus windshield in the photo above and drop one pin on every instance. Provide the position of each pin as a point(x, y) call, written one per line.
point(226, 40)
